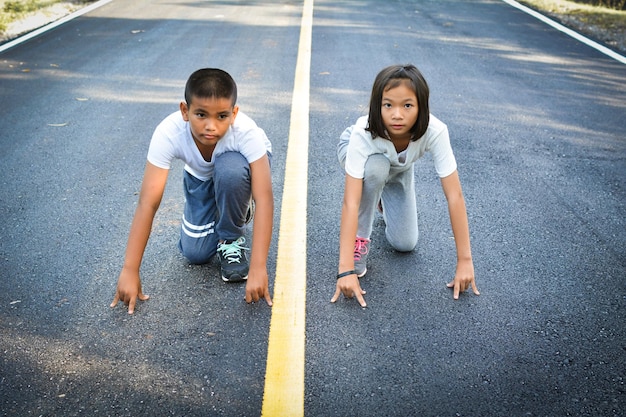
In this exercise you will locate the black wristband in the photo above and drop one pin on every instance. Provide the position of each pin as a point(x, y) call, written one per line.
point(345, 274)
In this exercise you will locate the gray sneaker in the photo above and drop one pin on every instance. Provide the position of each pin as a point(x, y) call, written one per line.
point(234, 264)
point(361, 249)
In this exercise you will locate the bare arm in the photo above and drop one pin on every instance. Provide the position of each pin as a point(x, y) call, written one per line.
point(257, 286)
point(129, 281)
point(464, 276)
point(349, 285)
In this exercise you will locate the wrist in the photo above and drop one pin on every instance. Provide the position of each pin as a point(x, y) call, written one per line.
point(130, 268)
point(258, 263)
point(346, 273)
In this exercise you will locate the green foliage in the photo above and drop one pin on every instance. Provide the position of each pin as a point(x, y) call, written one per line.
point(611, 4)
point(17, 7)
point(13, 10)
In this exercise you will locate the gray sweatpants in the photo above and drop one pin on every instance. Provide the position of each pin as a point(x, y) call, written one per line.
point(397, 194)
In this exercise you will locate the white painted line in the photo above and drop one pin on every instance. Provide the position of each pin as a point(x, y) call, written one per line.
point(52, 25)
point(284, 375)
point(595, 45)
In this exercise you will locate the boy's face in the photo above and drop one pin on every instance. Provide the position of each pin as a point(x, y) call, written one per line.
point(209, 119)
point(399, 110)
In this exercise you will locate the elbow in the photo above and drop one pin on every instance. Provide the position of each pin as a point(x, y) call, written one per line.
point(350, 206)
point(456, 203)
point(148, 206)
point(455, 197)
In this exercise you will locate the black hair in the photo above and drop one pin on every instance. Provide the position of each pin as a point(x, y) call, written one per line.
point(389, 78)
point(210, 83)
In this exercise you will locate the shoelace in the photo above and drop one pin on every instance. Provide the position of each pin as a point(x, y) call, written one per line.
point(232, 251)
point(360, 248)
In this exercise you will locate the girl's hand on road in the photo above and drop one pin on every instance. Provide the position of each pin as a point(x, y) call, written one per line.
point(350, 287)
point(463, 279)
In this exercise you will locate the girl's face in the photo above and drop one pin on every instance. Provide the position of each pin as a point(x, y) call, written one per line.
point(399, 111)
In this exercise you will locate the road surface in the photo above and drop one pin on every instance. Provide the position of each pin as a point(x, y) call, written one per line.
point(537, 124)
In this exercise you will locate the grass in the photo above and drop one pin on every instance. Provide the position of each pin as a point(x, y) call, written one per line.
point(13, 10)
point(604, 24)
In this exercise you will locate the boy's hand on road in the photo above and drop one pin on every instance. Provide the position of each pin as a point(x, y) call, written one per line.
point(350, 287)
point(463, 279)
point(257, 287)
point(129, 290)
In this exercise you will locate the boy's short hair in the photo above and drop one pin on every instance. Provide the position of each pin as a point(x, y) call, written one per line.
point(389, 78)
point(210, 83)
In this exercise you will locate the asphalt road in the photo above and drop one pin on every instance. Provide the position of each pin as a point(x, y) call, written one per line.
point(537, 124)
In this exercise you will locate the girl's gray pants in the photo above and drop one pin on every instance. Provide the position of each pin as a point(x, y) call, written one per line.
point(397, 194)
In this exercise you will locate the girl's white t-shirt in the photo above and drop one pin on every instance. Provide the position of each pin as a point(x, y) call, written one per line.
point(436, 140)
point(172, 140)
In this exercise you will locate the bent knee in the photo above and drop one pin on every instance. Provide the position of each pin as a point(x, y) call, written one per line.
point(406, 244)
point(197, 258)
point(376, 168)
point(195, 255)
point(405, 248)
point(230, 161)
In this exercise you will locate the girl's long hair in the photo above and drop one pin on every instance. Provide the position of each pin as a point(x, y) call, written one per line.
point(389, 78)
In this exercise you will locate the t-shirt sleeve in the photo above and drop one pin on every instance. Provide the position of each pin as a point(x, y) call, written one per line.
point(443, 156)
point(161, 150)
point(255, 144)
point(358, 149)
point(357, 153)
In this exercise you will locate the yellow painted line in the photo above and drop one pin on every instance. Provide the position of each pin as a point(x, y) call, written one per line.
point(284, 375)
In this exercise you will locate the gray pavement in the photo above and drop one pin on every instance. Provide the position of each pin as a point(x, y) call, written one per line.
point(537, 124)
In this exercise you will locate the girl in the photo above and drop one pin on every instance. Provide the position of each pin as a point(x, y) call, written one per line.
point(377, 154)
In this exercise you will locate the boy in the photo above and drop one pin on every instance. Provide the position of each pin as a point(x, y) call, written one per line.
point(226, 176)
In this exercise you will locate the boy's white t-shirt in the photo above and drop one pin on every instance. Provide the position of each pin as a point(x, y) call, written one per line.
point(172, 140)
point(436, 140)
